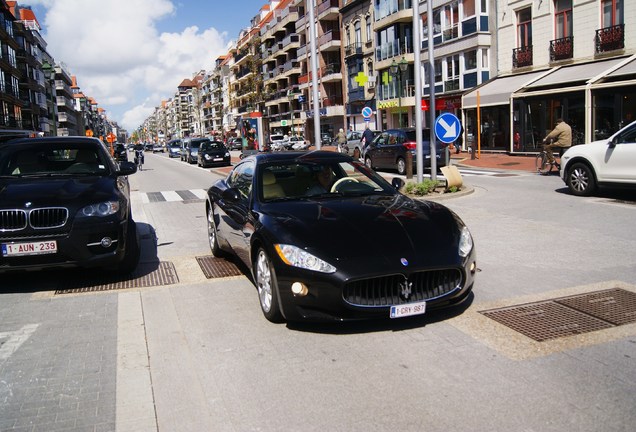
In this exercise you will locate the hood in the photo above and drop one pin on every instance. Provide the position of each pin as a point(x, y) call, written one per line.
point(379, 229)
point(55, 192)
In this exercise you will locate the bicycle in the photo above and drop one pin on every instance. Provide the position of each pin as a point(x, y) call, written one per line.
point(544, 167)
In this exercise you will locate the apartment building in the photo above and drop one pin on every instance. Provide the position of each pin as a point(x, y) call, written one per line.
point(557, 59)
point(359, 54)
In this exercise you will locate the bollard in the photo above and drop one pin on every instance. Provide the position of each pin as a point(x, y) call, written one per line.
point(409, 164)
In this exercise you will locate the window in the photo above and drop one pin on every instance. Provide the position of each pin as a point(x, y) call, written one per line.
point(524, 28)
point(470, 60)
point(563, 18)
point(612, 12)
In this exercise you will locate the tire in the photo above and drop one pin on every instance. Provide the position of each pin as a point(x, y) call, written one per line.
point(267, 287)
point(581, 180)
point(213, 238)
point(133, 251)
point(401, 166)
point(542, 164)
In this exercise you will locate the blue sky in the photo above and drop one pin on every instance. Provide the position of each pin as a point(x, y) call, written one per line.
point(131, 54)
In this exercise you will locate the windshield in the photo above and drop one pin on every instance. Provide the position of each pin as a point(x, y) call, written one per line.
point(291, 180)
point(51, 160)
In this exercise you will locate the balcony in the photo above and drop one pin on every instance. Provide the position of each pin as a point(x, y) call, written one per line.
point(522, 57)
point(354, 49)
point(562, 49)
point(610, 38)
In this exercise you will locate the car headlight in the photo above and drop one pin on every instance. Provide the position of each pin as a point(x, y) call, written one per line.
point(297, 257)
point(465, 243)
point(101, 209)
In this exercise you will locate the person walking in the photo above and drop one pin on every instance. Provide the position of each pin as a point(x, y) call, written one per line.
point(341, 138)
point(560, 137)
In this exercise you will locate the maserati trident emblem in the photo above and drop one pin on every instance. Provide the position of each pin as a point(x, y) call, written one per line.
point(405, 289)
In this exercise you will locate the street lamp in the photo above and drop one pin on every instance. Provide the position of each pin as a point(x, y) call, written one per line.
point(397, 69)
point(290, 96)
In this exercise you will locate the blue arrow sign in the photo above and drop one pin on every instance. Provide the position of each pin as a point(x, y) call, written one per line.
point(367, 112)
point(447, 128)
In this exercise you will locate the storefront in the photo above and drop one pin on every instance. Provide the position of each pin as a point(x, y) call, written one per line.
point(518, 111)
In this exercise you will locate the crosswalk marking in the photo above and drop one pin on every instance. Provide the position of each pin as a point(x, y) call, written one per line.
point(172, 196)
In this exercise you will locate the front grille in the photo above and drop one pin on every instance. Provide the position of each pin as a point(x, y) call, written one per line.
point(12, 220)
point(51, 217)
point(401, 289)
point(39, 218)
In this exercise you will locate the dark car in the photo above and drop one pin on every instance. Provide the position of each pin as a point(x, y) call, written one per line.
point(213, 153)
point(121, 152)
point(235, 143)
point(190, 149)
point(174, 148)
point(355, 248)
point(64, 202)
point(388, 150)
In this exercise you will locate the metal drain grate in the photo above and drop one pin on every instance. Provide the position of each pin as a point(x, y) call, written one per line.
point(568, 316)
point(146, 275)
point(217, 267)
point(616, 305)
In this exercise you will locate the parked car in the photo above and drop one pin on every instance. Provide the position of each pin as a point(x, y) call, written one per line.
point(388, 150)
point(174, 148)
point(190, 149)
point(64, 202)
point(359, 250)
point(607, 162)
point(298, 143)
point(277, 142)
point(121, 153)
point(213, 153)
point(235, 144)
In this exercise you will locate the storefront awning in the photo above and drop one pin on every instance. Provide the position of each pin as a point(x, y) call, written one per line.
point(570, 75)
point(498, 90)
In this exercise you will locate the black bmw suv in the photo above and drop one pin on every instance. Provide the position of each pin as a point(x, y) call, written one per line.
point(65, 202)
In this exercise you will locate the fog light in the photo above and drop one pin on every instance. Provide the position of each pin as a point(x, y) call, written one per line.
point(106, 242)
point(299, 289)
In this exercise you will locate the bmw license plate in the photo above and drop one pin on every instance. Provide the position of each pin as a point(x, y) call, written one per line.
point(30, 248)
point(408, 310)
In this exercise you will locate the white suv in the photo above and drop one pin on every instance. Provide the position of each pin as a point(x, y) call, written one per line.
point(608, 162)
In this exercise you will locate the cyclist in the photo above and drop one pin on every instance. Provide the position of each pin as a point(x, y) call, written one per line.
point(560, 137)
point(139, 156)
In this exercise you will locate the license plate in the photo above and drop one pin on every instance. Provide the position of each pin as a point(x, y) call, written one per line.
point(30, 248)
point(408, 310)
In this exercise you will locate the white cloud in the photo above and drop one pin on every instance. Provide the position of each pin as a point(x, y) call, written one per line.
point(119, 56)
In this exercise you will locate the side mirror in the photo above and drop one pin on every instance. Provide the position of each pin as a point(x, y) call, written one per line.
point(126, 168)
point(397, 183)
point(231, 194)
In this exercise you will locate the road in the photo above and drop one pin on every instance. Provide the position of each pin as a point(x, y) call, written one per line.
point(197, 354)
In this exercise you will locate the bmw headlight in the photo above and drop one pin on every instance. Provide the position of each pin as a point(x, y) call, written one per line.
point(297, 257)
point(465, 243)
point(101, 209)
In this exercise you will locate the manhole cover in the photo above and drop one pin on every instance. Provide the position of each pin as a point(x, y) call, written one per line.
point(546, 320)
point(567, 316)
point(217, 267)
point(616, 305)
point(146, 275)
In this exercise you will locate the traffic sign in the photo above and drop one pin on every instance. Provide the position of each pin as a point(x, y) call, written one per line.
point(111, 138)
point(447, 128)
point(367, 113)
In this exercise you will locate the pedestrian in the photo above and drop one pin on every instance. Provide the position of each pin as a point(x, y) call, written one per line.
point(341, 139)
point(560, 137)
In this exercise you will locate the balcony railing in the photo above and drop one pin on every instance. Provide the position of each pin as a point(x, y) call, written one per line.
point(610, 38)
point(562, 49)
point(522, 57)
